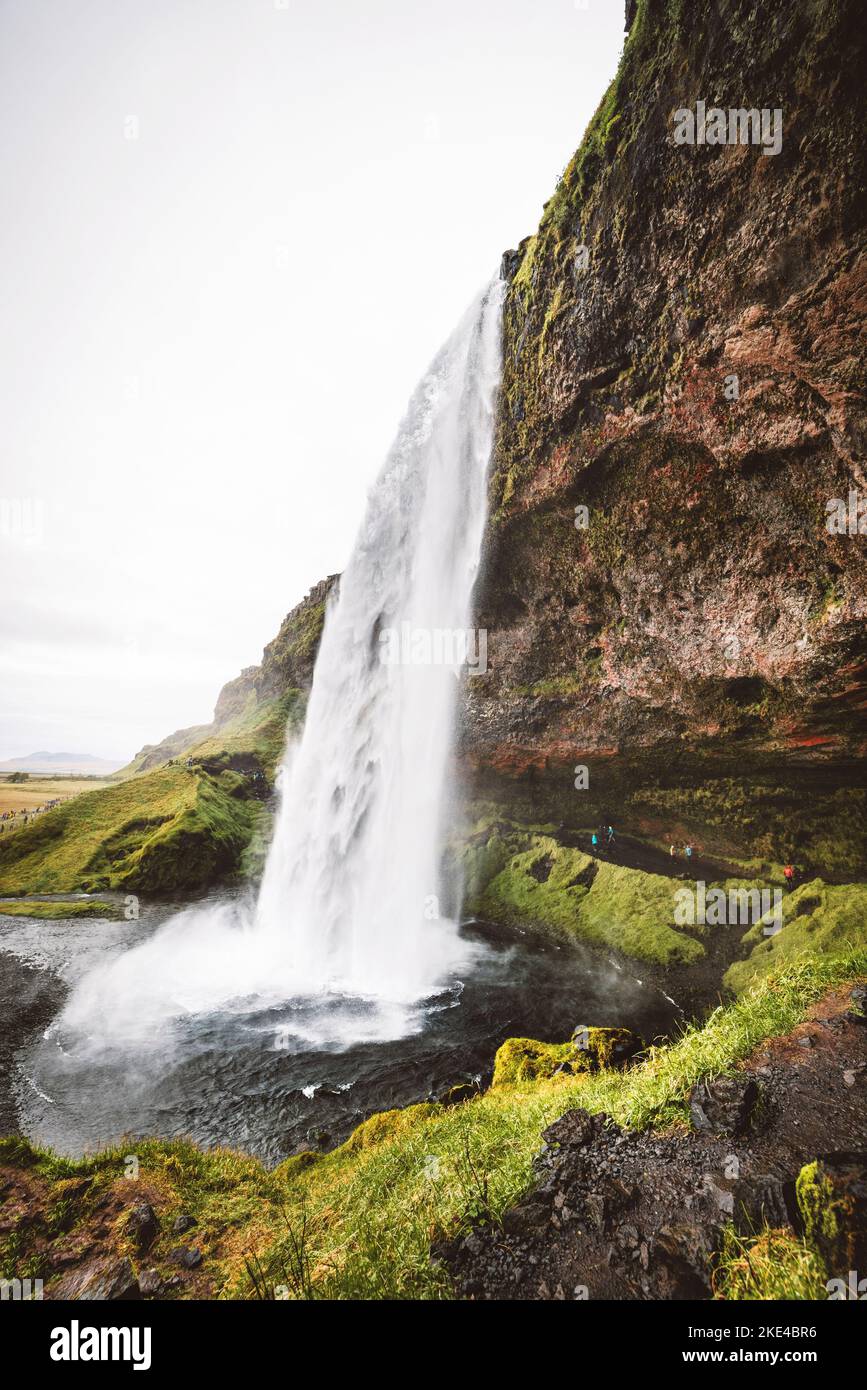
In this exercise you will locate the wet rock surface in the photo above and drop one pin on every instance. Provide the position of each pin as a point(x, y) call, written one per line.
point(617, 1214)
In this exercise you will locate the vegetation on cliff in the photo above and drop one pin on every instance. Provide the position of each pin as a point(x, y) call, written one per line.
point(574, 896)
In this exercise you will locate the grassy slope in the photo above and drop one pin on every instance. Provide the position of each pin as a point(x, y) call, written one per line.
point(818, 918)
point(358, 1222)
point(60, 911)
point(171, 828)
point(259, 730)
point(624, 908)
point(167, 829)
point(600, 903)
point(521, 876)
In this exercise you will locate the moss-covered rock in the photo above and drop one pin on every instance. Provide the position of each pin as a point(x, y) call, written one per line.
point(387, 1124)
point(522, 1060)
point(832, 1200)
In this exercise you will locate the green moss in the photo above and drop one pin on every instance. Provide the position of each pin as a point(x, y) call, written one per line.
point(561, 687)
point(292, 1167)
point(573, 896)
point(520, 1060)
point(58, 911)
point(815, 1197)
point(387, 1124)
point(605, 538)
point(819, 919)
point(774, 821)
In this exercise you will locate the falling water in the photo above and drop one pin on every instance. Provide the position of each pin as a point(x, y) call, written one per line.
point(351, 902)
point(351, 890)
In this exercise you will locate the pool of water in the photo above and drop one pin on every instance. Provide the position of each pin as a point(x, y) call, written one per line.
point(276, 1077)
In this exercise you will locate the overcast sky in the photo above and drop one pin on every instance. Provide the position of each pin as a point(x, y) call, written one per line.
point(234, 232)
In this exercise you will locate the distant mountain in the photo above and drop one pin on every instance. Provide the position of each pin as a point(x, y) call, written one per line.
point(82, 763)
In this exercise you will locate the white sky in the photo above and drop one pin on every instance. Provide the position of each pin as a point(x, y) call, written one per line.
point(210, 331)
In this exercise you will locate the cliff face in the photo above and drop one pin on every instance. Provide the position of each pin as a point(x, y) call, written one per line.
point(683, 359)
point(287, 662)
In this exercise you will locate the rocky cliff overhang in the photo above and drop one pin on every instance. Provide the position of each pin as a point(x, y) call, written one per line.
point(682, 416)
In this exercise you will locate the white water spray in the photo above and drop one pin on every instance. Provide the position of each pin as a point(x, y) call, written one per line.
point(350, 899)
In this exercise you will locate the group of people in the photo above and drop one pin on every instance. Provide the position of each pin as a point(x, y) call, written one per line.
point(603, 838)
point(11, 820)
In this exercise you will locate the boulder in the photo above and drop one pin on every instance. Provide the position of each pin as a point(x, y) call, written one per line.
point(99, 1281)
point(188, 1256)
point(681, 1258)
point(150, 1283)
point(142, 1224)
point(607, 1047)
point(725, 1105)
point(763, 1199)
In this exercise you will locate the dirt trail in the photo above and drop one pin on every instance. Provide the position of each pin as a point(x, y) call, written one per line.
point(635, 854)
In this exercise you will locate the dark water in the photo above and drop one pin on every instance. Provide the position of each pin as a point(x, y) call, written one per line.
point(301, 1074)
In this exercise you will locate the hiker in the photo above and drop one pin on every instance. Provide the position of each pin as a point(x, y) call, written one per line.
point(789, 875)
point(610, 839)
point(688, 851)
point(673, 851)
point(594, 842)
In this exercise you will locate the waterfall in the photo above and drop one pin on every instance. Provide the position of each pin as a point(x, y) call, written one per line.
point(351, 901)
point(351, 892)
